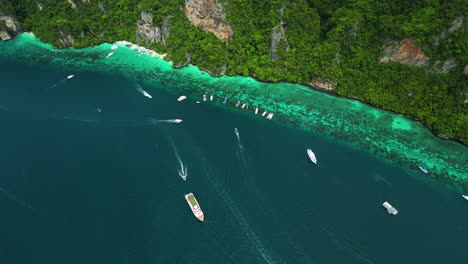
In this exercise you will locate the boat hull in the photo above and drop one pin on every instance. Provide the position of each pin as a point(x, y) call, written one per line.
point(194, 206)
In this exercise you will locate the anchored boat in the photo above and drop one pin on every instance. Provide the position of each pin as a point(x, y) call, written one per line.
point(181, 98)
point(194, 206)
point(311, 156)
point(423, 169)
point(390, 208)
point(465, 196)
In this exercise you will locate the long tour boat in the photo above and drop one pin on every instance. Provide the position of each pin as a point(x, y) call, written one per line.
point(194, 206)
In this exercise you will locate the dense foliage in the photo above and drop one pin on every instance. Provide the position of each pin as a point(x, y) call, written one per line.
point(333, 39)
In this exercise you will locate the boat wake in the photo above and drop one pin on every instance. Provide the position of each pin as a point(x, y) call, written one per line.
point(59, 83)
point(12, 197)
point(143, 92)
point(183, 169)
point(242, 221)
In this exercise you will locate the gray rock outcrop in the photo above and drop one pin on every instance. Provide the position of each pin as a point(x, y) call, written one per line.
point(9, 27)
point(65, 38)
point(278, 37)
point(147, 32)
point(322, 83)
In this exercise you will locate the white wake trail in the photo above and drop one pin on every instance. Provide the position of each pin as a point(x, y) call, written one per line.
point(143, 92)
point(183, 169)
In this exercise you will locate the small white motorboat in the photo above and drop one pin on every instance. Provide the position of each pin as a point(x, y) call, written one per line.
point(211, 98)
point(269, 116)
point(236, 131)
point(70, 76)
point(178, 121)
point(312, 156)
point(243, 106)
point(181, 98)
point(264, 113)
point(465, 196)
point(114, 47)
point(204, 97)
point(423, 169)
point(256, 110)
point(110, 54)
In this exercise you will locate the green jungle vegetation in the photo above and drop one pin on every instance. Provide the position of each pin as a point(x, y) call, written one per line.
point(333, 39)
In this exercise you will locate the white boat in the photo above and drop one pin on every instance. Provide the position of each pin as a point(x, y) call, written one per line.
point(465, 196)
point(243, 106)
point(178, 121)
point(193, 203)
point(211, 98)
point(99, 110)
point(114, 47)
point(311, 156)
point(236, 131)
point(423, 169)
point(181, 98)
point(147, 94)
point(256, 110)
point(264, 113)
point(390, 208)
point(70, 76)
point(269, 116)
point(110, 54)
point(204, 97)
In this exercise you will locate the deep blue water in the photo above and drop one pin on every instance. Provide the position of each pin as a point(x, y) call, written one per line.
point(82, 186)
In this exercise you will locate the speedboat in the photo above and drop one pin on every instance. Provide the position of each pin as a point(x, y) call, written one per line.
point(423, 169)
point(225, 100)
point(178, 121)
point(70, 76)
point(204, 97)
point(110, 54)
point(181, 98)
point(114, 47)
point(269, 116)
point(238, 103)
point(465, 196)
point(312, 156)
point(237, 131)
point(256, 110)
point(264, 113)
point(243, 106)
point(211, 98)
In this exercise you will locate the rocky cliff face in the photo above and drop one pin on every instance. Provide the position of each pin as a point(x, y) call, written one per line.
point(323, 84)
point(406, 52)
point(9, 27)
point(209, 14)
point(147, 32)
point(278, 37)
point(66, 38)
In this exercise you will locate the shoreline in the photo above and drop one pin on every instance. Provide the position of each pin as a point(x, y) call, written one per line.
point(311, 87)
point(380, 132)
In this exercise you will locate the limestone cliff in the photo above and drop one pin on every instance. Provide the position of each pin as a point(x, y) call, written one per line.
point(406, 52)
point(323, 84)
point(147, 32)
point(278, 37)
point(209, 14)
point(9, 27)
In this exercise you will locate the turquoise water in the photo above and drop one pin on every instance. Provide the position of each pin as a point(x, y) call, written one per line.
point(80, 185)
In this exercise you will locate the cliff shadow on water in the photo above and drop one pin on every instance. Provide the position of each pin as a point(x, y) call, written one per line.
point(387, 135)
